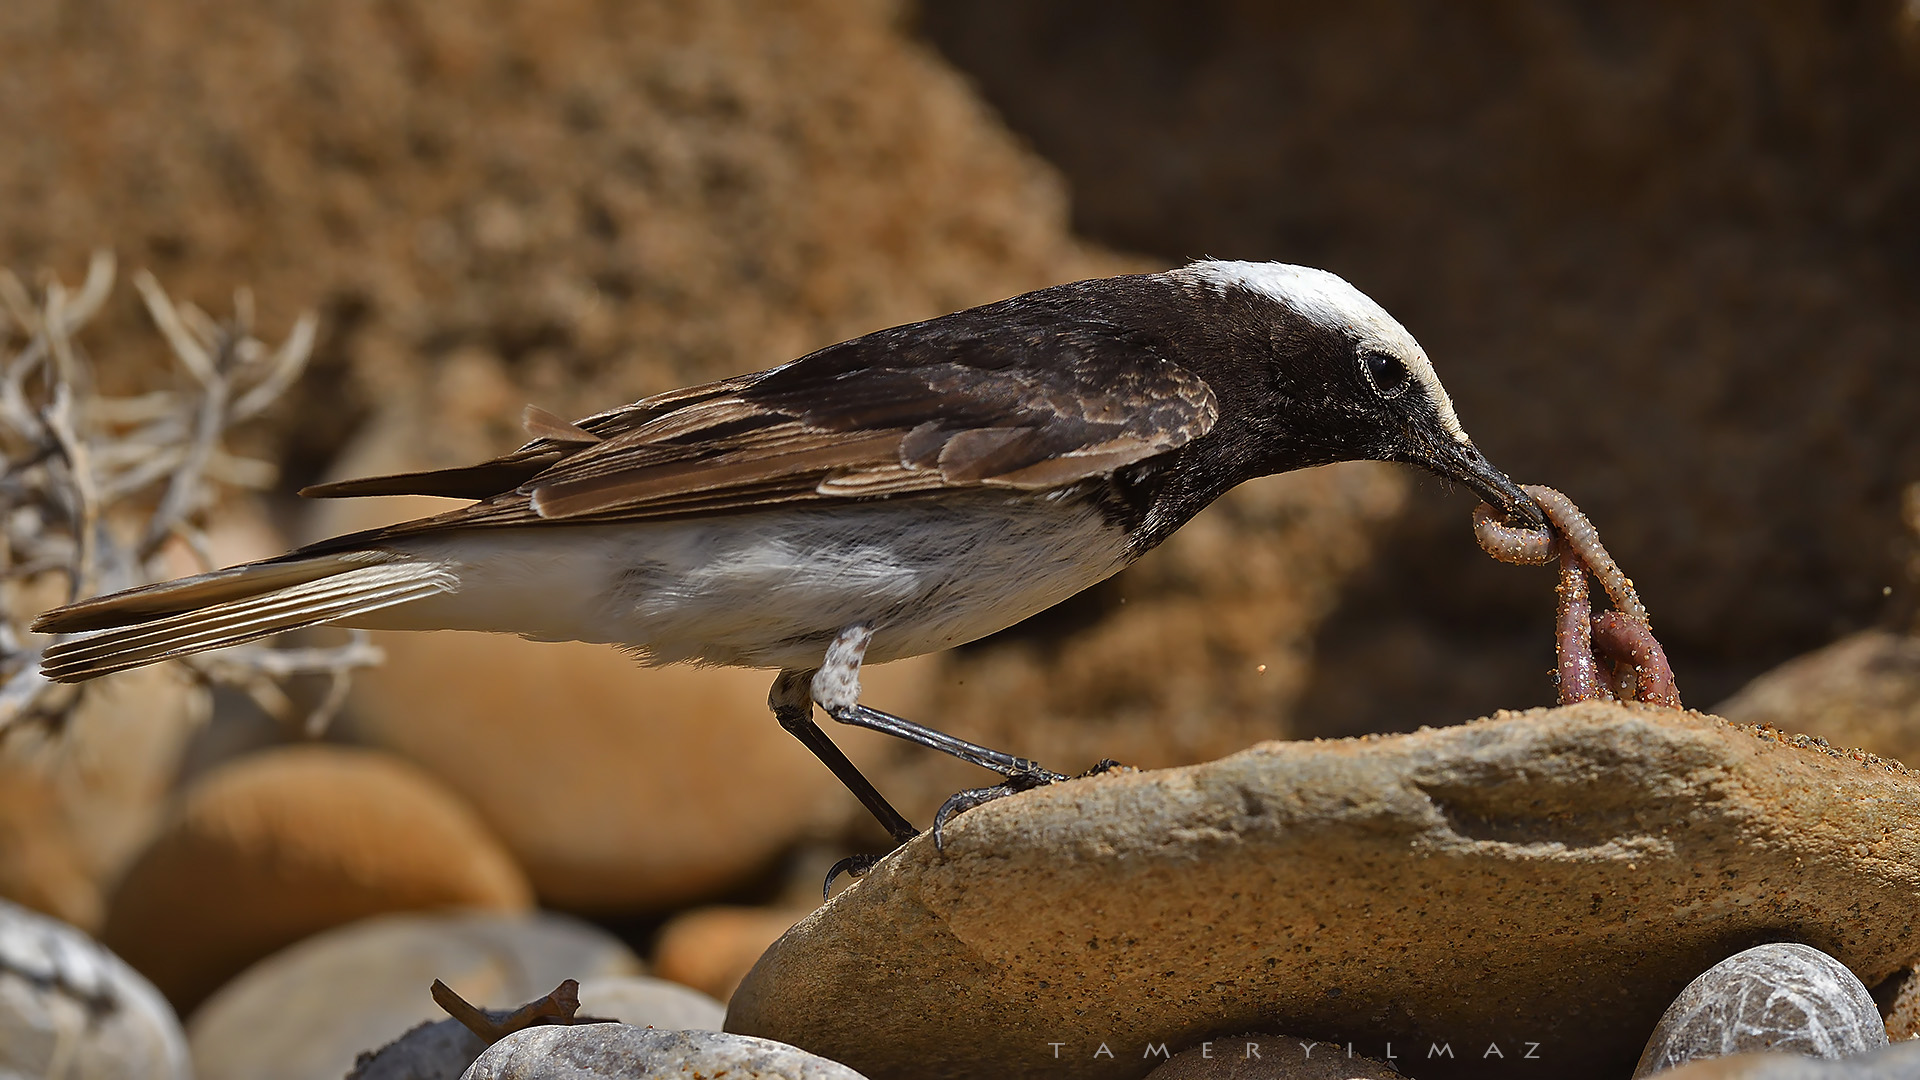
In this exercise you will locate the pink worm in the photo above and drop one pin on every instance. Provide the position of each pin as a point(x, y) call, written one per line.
point(1622, 637)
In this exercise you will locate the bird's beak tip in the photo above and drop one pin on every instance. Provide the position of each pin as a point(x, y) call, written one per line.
point(1468, 465)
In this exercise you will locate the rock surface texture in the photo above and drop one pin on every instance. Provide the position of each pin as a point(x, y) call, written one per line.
point(621, 1052)
point(1780, 997)
point(1863, 690)
point(71, 1009)
point(1898, 1062)
point(276, 846)
point(1454, 886)
point(308, 1012)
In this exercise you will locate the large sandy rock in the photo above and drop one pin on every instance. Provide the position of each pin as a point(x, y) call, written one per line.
point(1624, 235)
point(306, 1013)
point(1471, 885)
point(274, 847)
point(69, 1008)
point(1863, 690)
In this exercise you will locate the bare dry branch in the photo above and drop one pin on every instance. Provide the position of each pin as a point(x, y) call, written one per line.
point(77, 462)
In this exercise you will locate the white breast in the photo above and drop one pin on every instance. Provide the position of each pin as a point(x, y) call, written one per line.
point(770, 589)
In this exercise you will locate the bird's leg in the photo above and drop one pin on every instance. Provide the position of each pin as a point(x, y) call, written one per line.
point(836, 688)
point(792, 705)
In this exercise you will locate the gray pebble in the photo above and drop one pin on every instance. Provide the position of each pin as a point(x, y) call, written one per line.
point(1900, 1061)
point(443, 1050)
point(434, 1050)
point(1781, 997)
point(610, 1051)
point(643, 1001)
point(70, 1008)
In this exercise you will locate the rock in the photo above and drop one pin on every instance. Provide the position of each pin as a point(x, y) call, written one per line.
point(621, 1052)
point(1271, 1057)
point(276, 846)
point(1471, 881)
point(439, 1050)
point(1898, 1062)
point(70, 1008)
point(1863, 690)
point(1488, 215)
point(1902, 1012)
point(712, 948)
point(1782, 997)
point(77, 806)
point(310, 1010)
point(648, 1002)
point(444, 1050)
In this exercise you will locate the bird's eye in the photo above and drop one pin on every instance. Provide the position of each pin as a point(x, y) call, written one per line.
point(1387, 374)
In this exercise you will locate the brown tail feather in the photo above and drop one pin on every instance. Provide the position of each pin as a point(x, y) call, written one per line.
point(150, 602)
point(231, 614)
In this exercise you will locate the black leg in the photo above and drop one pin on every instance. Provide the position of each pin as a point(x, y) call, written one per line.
point(920, 735)
point(797, 718)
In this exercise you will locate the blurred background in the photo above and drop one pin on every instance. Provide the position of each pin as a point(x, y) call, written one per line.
point(1666, 258)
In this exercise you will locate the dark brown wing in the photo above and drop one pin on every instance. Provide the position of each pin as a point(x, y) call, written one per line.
point(984, 398)
point(553, 439)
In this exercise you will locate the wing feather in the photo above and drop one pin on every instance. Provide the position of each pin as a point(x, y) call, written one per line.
point(1028, 403)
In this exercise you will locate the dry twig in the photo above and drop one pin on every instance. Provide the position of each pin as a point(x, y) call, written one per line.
point(96, 488)
point(492, 1025)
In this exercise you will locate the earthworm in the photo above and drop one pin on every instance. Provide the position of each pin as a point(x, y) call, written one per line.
point(1579, 673)
point(1630, 645)
point(1622, 638)
point(1533, 547)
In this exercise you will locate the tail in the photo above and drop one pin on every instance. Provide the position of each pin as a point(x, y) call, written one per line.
point(226, 607)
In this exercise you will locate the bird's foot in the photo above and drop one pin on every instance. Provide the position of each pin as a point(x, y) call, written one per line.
point(854, 866)
point(1025, 780)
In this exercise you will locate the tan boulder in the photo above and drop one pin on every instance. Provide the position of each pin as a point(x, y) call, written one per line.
point(712, 948)
point(271, 848)
point(77, 804)
point(1863, 690)
point(1468, 885)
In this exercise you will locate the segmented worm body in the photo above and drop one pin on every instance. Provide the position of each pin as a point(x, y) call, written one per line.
point(1591, 648)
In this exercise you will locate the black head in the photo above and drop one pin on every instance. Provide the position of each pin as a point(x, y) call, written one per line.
point(1332, 378)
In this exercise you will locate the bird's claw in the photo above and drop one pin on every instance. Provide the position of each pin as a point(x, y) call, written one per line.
point(1026, 780)
point(854, 866)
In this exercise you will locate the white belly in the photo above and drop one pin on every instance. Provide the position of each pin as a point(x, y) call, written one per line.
point(770, 589)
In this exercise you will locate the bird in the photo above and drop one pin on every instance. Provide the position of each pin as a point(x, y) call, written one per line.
point(896, 494)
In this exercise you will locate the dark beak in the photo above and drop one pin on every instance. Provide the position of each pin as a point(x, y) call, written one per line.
point(1465, 463)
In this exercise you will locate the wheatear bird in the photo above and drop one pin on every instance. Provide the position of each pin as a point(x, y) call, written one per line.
point(897, 494)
